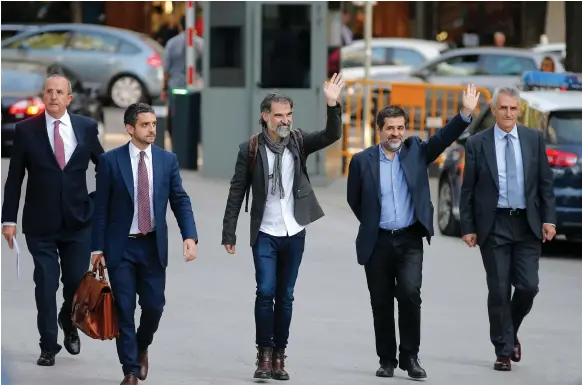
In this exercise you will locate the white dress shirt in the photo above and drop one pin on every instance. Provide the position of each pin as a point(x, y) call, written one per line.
point(500, 145)
point(279, 218)
point(66, 131)
point(134, 156)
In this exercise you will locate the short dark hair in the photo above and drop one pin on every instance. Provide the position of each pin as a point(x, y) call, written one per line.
point(270, 98)
point(133, 110)
point(390, 111)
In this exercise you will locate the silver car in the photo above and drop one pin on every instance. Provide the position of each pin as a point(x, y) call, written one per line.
point(486, 67)
point(120, 65)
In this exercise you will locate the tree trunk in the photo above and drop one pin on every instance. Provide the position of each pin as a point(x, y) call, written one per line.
point(573, 36)
point(533, 22)
point(76, 12)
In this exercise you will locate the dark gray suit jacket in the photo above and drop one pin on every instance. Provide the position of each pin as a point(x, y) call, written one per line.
point(307, 208)
point(480, 189)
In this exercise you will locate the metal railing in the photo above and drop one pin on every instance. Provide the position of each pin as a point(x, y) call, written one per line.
point(428, 108)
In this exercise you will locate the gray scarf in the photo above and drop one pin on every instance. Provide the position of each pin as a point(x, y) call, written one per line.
point(277, 148)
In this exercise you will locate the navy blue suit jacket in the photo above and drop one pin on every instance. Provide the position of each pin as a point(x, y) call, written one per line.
point(364, 195)
point(114, 203)
point(55, 199)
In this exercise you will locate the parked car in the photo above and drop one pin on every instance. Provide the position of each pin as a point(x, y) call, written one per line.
point(121, 65)
point(558, 114)
point(389, 56)
point(486, 67)
point(22, 89)
point(9, 30)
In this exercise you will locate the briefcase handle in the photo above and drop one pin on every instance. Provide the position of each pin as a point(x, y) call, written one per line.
point(98, 267)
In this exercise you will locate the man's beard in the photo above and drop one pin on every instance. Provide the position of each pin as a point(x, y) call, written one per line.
point(392, 147)
point(282, 130)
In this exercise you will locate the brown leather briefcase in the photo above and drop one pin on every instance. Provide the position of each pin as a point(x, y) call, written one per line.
point(94, 306)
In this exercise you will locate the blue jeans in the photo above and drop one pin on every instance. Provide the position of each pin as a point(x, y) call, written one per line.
point(277, 261)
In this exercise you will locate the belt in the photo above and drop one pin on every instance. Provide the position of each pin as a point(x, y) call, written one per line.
point(510, 212)
point(404, 230)
point(140, 235)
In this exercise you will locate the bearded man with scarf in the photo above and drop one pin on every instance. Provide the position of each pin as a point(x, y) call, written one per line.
point(283, 204)
point(389, 193)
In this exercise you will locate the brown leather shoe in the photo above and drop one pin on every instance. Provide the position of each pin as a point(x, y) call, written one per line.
point(502, 364)
point(130, 379)
point(143, 361)
point(279, 372)
point(264, 364)
point(516, 356)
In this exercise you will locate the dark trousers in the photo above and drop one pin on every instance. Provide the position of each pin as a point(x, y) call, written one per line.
point(74, 250)
point(277, 261)
point(140, 273)
point(395, 270)
point(511, 257)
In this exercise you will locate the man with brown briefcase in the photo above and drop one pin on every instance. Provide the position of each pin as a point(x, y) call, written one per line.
point(135, 182)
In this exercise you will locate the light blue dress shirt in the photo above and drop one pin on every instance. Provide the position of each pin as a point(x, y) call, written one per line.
point(397, 209)
point(500, 144)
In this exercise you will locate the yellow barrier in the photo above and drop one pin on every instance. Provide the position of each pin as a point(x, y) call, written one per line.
point(427, 106)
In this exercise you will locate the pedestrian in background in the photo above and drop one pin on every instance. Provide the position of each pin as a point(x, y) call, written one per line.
point(55, 148)
point(175, 68)
point(388, 192)
point(508, 208)
point(283, 204)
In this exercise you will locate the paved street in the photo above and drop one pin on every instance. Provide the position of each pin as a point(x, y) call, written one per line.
point(207, 332)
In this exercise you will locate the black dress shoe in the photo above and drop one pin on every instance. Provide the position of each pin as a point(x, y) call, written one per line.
point(503, 364)
point(72, 341)
point(47, 358)
point(516, 356)
point(385, 370)
point(412, 366)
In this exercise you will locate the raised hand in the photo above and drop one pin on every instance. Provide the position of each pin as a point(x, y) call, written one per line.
point(470, 99)
point(333, 88)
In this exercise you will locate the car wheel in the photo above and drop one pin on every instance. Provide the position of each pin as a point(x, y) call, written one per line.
point(447, 223)
point(126, 90)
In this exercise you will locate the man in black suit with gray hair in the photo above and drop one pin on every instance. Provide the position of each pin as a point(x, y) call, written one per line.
point(508, 208)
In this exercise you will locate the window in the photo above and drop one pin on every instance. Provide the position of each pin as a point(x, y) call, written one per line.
point(565, 128)
point(465, 65)
point(94, 42)
point(286, 46)
point(44, 40)
point(505, 65)
point(406, 57)
point(357, 57)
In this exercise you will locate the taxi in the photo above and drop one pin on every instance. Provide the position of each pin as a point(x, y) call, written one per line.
point(551, 103)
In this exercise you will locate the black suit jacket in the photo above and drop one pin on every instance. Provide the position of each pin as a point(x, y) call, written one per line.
point(363, 191)
point(480, 189)
point(307, 208)
point(55, 199)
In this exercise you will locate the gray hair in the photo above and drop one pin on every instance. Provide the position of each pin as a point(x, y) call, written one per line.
point(57, 75)
point(270, 98)
point(509, 91)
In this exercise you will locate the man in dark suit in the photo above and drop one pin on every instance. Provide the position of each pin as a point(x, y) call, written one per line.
point(283, 204)
point(388, 191)
point(55, 147)
point(135, 182)
point(507, 208)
